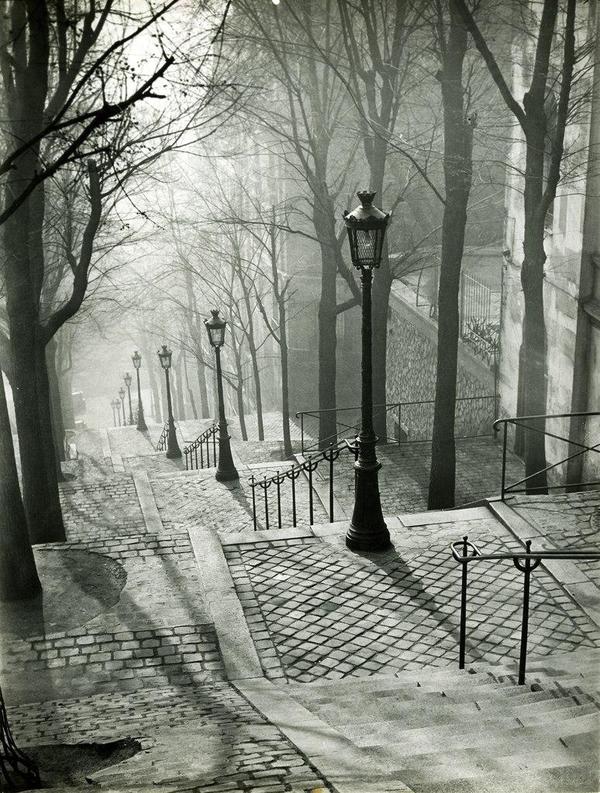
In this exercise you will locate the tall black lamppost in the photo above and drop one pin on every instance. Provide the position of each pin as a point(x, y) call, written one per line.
point(137, 362)
point(122, 398)
point(113, 406)
point(366, 227)
point(226, 470)
point(173, 450)
point(127, 379)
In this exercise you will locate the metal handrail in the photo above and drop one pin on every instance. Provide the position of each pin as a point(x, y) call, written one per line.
point(308, 467)
point(202, 442)
point(526, 562)
point(161, 444)
point(517, 421)
point(389, 406)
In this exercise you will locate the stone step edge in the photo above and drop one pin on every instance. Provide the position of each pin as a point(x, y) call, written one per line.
point(582, 591)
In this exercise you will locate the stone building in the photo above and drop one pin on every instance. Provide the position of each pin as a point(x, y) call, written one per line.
point(571, 285)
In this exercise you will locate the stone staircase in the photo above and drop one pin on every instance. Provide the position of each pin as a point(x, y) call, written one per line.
point(476, 731)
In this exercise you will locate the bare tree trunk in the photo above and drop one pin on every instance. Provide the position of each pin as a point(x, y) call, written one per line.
point(201, 375)
point(178, 383)
point(58, 426)
point(154, 385)
point(458, 148)
point(18, 574)
point(189, 388)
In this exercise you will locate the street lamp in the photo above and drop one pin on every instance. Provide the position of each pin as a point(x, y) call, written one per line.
point(226, 470)
point(366, 226)
point(127, 379)
point(173, 450)
point(122, 398)
point(117, 407)
point(113, 406)
point(137, 362)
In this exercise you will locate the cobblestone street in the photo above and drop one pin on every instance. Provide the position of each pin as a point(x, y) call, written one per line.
point(317, 611)
point(165, 617)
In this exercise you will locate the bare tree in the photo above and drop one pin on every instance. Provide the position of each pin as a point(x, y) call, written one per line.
point(543, 124)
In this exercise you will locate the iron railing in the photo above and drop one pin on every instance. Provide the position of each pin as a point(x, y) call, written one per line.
point(479, 309)
point(308, 467)
point(202, 444)
point(409, 421)
point(518, 421)
point(465, 552)
point(161, 443)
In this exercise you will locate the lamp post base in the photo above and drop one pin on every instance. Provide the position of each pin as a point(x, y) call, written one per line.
point(226, 476)
point(368, 539)
point(174, 454)
point(367, 531)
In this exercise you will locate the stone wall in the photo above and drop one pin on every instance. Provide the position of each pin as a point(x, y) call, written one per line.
point(411, 364)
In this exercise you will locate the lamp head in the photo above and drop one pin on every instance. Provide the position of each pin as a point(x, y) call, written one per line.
point(366, 226)
point(164, 356)
point(216, 329)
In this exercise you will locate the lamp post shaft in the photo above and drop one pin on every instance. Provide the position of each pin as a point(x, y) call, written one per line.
point(173, 450)
point(226, 470)
point(367, 531)
point(123, 408)
point(129, 398)
point(114, 414)
point(141, 422)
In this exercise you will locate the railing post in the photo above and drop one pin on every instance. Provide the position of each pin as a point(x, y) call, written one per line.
point(525, 620)
point(266, 504)
point(503, 487)
point(331, 483)
point(278, 482)
point(293, 478)
point(302, 432)
point(310, 493)
point(463, 609)
point(253, 501)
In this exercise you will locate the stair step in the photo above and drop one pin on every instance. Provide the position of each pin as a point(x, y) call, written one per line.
point(568, 779)
point(563, 714)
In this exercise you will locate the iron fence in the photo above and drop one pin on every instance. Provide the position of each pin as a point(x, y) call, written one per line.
point(465, 552)
point(537, 425)
point(307, 468)
point(198, 452)
point(406, 422)
point(161, 443)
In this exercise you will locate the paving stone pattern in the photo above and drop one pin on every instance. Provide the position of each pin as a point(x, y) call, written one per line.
point(198, 499)
point(317, 611)
point(78, 662)
point(107, 508)
point(404, 475)
point(565, 520)
point(205, 738)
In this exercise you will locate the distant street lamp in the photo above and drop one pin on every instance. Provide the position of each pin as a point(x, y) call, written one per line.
point(122, 398)
point(127, 379)
point(226, 470)
point(366, 226)
point(137, 363)
point(113, 406)
point(117, 406)
point(173, 450)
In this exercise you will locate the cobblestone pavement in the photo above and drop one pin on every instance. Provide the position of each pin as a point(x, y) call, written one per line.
point(316, 611)
point(107, 508)
point(198, 499)
point(206, 738)
point(272, 423)
point(565, 520)
point(404, 475)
